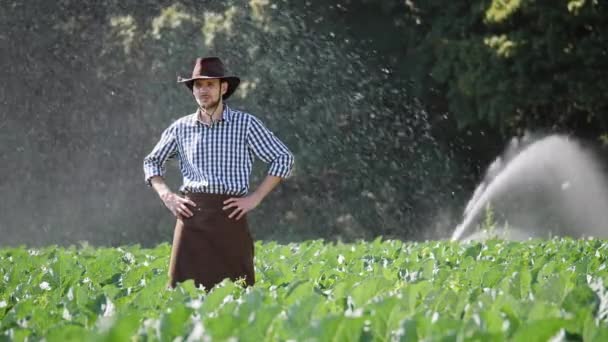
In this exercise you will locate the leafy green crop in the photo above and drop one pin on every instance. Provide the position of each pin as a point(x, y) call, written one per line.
point(368, 291)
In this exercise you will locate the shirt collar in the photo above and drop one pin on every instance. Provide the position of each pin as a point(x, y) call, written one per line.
point(226, 116)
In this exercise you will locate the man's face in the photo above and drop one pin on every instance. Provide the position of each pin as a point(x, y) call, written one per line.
point(207, 92)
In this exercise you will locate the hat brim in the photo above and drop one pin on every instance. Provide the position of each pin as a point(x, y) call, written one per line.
point(233, 83)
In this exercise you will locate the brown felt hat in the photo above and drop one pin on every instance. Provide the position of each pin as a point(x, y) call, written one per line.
point(211, 68)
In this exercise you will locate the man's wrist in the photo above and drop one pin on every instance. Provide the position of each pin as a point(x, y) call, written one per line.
point(258, 197)
point(164, 193)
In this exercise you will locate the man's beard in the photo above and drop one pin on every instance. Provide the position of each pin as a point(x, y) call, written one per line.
point(210, 106)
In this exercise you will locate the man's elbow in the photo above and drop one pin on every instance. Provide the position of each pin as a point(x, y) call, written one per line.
point(152, 170)
point(289, 165)
point(282, 166)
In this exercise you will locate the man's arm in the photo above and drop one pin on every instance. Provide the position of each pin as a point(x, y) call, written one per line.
point(154, 169)
point(154, 163)
point(159, 185)
point(269, 149)
point(245, 204)
point(269, 183)
point(175, 203)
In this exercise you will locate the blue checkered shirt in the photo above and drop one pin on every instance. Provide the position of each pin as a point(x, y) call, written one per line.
point(218, 159)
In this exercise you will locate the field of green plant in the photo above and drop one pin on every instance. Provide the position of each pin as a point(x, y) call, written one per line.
point(367, 291)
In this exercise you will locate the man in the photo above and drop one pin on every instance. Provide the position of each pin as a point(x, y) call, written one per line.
point(215, 147)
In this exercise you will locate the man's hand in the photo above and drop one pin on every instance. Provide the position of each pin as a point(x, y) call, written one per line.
point(243, 205)
point(177, 205)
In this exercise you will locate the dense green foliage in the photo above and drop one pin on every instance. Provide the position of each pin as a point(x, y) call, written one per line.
point(391, 122)
point(380, 291)
point(517, 64)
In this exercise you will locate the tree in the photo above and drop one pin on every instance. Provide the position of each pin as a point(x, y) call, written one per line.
point(516, 65)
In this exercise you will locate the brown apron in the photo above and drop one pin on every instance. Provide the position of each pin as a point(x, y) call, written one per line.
point(209, 246)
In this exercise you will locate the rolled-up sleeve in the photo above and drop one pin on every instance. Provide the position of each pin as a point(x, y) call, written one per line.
point(154, 163)
point(266, 146)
